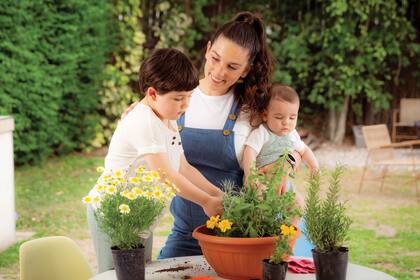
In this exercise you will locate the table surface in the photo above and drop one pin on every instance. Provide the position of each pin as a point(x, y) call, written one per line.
point(194, 266)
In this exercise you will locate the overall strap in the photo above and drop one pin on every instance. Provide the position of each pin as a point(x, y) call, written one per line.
point(181, 121)
point(231, 119)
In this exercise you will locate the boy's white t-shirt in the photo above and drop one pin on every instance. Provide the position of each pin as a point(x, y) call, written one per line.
point(211, 112)
point(141, 132)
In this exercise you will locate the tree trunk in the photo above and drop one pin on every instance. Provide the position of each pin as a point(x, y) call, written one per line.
point(337, 123)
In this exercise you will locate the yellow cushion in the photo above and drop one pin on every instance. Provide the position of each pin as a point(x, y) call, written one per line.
point(55, 257)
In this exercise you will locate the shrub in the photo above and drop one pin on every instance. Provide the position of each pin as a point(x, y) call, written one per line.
point(53, 54)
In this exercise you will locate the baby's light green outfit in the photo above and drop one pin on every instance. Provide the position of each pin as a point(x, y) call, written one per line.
point(270, 146)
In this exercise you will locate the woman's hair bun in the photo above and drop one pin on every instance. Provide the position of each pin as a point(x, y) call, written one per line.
point(247, 17)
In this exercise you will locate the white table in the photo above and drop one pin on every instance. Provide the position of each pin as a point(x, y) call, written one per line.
point(187, 267)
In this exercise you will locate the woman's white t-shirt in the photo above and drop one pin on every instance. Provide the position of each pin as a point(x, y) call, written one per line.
point(211, 112)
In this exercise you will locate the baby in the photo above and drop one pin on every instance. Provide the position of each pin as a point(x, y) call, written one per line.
point(277, 132)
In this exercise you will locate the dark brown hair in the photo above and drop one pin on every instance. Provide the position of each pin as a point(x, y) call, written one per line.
point(167, 70)
point(248, 31)
point(284, 93)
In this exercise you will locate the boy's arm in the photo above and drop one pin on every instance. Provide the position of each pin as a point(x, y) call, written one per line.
point(309, 158)
point(212, 205)
point(249, 157)
point(195, 177)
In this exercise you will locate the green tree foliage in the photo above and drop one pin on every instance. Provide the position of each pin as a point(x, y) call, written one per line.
point(120, 85)
point(340, 50)
point(140, 26)
point(52, 56)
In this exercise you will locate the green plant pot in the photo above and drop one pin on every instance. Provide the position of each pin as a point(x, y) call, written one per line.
point(331, 265)
point(274, 271)
point(129, 264)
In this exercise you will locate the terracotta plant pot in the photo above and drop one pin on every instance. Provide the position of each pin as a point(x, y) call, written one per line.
point(129, 264)
point(331, 265)
point(234, 257)
point(274, 271)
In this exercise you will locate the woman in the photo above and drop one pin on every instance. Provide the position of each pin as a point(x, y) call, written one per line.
point(237, 74)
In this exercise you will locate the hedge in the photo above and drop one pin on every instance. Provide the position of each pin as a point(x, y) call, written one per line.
point(52, 56)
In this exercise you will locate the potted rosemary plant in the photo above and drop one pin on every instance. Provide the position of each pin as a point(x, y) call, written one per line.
point(327, 226)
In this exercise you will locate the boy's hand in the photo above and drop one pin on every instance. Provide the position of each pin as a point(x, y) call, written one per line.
point(213, 206)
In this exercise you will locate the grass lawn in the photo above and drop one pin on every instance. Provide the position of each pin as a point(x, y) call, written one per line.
point(385, 234)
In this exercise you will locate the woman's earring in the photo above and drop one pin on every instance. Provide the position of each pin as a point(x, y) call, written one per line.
point(240, 81)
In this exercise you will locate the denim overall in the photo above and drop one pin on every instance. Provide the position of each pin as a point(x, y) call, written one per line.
point(212, 152)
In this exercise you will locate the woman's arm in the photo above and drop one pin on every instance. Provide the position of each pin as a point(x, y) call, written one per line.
point(195, 177)
point(212, 205)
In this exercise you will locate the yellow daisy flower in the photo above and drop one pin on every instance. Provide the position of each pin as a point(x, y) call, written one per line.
point(111, 190)
point(212, 222)
point(100, 188)
point(124, 209)
point(137, 191)
point(131, 196)
point(87, 199)
point(100, 169)
point(140, 169)
point(135, 180)
point(148, 194)
point(124, 193)
point(154, 174)
point(96, 199)
point(147, 179)
point(224, 225)
point(157, 194)
point(118, 173)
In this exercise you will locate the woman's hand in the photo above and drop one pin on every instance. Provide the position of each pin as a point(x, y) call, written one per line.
point(213, 206)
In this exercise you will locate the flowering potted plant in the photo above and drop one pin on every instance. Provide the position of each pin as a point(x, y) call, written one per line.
point(126, 209)
point(275, 268)
point(236, 242)
point(327, 227)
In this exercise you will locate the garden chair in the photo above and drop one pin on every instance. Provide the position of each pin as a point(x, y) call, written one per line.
point(55, 257)
point(405, 116)
point(381, 152)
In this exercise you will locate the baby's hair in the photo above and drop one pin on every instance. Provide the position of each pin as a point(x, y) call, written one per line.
point(284, 93)
point(167, 70)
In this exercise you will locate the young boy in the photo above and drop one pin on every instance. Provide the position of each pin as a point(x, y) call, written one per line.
point(149, 136)
point(277, 132)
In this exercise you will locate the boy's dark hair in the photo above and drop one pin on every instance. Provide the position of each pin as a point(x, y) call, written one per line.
point(167, 70)
point(283, 92)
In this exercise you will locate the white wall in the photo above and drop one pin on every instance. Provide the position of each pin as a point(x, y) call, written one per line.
point(7, 189)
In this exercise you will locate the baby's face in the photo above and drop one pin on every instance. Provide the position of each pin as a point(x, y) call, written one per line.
point(281, 116)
